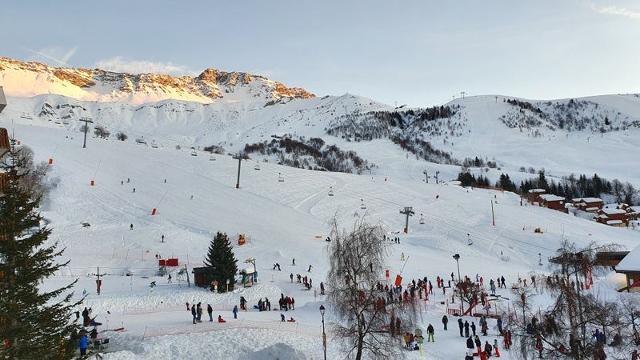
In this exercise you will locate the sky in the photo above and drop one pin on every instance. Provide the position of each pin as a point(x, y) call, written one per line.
point(419, 53)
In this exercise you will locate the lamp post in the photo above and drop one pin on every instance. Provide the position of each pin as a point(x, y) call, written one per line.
point(457, 258)
point(324, 335)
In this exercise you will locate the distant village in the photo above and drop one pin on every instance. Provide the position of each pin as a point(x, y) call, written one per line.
point(593, 208)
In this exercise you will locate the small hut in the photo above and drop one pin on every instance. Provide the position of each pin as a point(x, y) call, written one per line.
point(630, 267)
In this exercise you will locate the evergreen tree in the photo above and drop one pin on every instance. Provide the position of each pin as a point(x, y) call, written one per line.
point(34, 324)
point(222, 262)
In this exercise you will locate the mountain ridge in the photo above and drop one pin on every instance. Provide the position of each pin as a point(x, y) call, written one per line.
point(108, 86)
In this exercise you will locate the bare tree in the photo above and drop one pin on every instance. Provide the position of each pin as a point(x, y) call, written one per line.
point(368, 316)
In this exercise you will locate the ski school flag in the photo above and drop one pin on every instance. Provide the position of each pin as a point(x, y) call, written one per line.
point(398, 281)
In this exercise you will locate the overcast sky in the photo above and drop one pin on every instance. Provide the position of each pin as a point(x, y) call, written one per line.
point(410, 52)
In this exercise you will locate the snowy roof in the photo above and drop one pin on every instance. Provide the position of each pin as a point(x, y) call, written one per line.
point(587, 199)
point(613, 211)
point(551, 197)
point(631, 262)
point(614, 222)
point(592, 208)
point(536, 191)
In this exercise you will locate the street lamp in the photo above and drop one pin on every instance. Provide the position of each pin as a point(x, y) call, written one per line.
point(324, 335)
point(457, 258)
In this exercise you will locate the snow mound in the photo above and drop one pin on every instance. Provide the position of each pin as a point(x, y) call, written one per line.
point(277, 351)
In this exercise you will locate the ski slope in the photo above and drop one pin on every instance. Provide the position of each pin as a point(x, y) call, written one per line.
point(282, 220)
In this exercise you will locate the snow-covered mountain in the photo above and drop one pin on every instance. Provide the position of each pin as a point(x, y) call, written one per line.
point(26, 79)
point(599, 134)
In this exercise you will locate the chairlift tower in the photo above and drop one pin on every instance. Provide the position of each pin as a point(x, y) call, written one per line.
point(86, 122)
point(407, 211)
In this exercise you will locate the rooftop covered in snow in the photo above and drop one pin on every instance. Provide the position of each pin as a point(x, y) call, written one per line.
point(630, 263)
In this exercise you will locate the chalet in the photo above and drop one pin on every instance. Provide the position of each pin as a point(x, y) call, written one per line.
point(203, 276)
point(633, 212)
point(533, 195)
point(630, 267)
point(589, 204)
point(612, 217)
point(553, 202)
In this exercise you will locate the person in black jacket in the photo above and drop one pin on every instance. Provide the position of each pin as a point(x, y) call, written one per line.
point(466, 328)
point(210, 312)
point(445, 320)
point(473, 328)
point(470, 344)
point(461, 326)
point(193, 313)
point(488, 348)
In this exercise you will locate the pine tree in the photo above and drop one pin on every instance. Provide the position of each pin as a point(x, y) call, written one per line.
point(222, 262)
point(33, 323)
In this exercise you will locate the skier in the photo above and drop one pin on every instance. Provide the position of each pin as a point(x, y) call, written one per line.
point(293, 262)
point(321, 288)
point(445, 320)
point(130, 226)
point(199, 312)
point(134, 189)
point(210, 312)
point(188, 308)
point(128, 180)
point(282, 318)
point(193, 313)
point(169, 279)
point(243, 303)
point(291, 277)
point(500, 325)
point(309, 270)
point(162, 238)
point(461, 326)
point(430, 332)
point(235, 311)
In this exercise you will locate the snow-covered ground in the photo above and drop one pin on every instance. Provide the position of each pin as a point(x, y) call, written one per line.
point(283, 220)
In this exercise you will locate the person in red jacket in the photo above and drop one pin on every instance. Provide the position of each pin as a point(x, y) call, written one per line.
point(221, 320)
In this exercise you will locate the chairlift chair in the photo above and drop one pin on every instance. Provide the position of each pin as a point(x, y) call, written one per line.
point(154, 144)
point(257, 167)
point(194, 153)
point(421, 219)
point(330, 190)
point(212, 158)
point(362, 205)
point(280, 177)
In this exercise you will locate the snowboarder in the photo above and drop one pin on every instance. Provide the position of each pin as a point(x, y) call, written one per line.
point(210, 312)
point(235, 311)
point(445, 320)
point(461, 326)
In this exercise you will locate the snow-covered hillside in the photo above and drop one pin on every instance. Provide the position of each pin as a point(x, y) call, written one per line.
point(597, 134)
point(282, 220)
